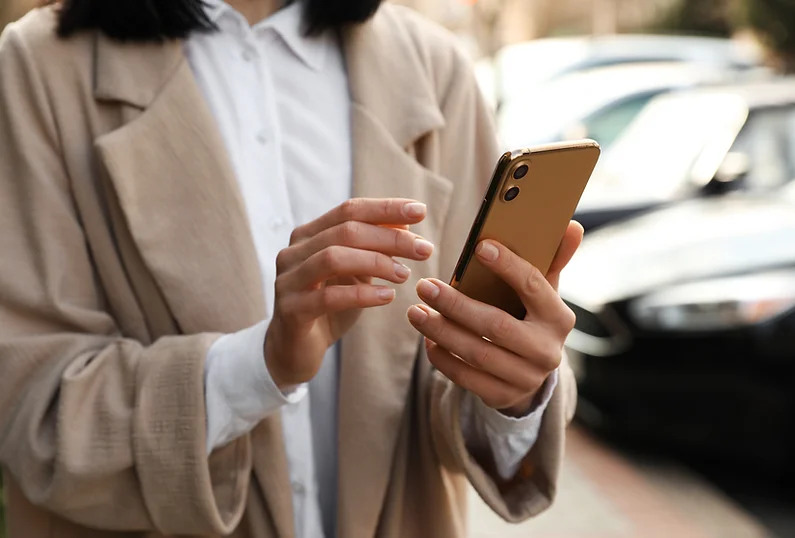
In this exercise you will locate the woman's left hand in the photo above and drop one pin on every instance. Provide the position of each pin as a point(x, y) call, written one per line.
point(503, 360)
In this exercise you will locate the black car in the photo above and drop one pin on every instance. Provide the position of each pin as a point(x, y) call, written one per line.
point(694, 143)
point(685, 334)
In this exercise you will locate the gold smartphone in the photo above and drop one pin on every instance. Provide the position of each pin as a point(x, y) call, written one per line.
point(527, 207)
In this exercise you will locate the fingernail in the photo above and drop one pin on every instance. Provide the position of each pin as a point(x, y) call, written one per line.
point(402, 271)
point(428, 289)
point(414, 210)
point(417, 315)
point(385, 294)
point(423, 247)
point(488, 252)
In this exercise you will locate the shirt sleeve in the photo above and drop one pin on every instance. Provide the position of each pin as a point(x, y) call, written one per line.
point(509, 439)
point(239, 390)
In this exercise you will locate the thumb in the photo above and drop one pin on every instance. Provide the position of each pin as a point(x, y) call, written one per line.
point(568, 246)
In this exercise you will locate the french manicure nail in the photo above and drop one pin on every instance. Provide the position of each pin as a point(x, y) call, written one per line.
point(417, 315)
point(414, 210)
point(428, 289)
point(487, 251)
point(402, 271)
point(423, 247)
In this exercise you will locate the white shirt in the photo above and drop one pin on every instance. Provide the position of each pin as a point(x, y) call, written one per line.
point(282, 106)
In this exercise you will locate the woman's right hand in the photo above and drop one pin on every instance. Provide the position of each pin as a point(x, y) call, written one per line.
point(324, 279)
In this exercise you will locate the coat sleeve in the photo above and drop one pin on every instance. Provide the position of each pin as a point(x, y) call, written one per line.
point(96, 428)
point(468, 148)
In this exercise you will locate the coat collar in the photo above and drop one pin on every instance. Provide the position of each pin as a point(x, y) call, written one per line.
point(177, 189)
point(384, 69)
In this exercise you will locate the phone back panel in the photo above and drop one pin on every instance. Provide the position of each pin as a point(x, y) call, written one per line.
point(531, 225)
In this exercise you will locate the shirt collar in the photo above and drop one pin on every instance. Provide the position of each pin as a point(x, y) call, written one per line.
point(288, 24)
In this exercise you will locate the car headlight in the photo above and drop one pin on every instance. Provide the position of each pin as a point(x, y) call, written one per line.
point(719, 304)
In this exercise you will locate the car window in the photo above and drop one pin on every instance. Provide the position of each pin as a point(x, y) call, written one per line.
point(766, 140)
point(655, 155)
point(607, 124)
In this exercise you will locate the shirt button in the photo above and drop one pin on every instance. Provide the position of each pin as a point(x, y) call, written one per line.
point(262, 137)
point(277, 223)
point(248, 55)
point(298, 488)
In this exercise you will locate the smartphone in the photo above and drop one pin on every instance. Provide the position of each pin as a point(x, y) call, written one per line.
point(530, 200)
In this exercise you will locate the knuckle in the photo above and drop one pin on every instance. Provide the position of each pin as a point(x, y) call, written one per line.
point(348, 232)
point(282, 261)
point(382, 264)
point(568, 319)
point(437, 327)
point(533, 281)
point(330, 257)
point(400, 241)
point(362, 296)
point(450, 303)
point(326, 298)
point(551, 357)
point(386, 208)
point(500, 328)
point(297, 235)
point(349, 208)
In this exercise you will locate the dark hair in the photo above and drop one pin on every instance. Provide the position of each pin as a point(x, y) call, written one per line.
point(155, 20)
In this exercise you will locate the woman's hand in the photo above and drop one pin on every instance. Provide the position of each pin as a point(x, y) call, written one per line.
point(324, 279)
point(503, 360)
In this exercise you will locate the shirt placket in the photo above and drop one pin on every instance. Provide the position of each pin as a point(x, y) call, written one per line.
point(296, 423)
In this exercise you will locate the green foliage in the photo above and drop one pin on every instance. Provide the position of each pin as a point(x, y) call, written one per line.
point(697, 17)
point(774, 22)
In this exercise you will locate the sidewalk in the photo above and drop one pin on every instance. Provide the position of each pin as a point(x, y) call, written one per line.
point(604, 495)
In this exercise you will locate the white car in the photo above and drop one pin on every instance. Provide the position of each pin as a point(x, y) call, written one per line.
point(597, 103)
point(695, 143)
point(522, 66)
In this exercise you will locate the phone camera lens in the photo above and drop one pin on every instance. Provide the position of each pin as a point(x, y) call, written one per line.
point(521, 172)
point(511, 194)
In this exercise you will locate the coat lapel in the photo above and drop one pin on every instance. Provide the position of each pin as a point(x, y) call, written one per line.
point(175, 185)
point(173, 180)
point(391, 110)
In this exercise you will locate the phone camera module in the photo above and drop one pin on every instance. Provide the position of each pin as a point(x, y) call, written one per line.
point(511, 194)
point(521, 171)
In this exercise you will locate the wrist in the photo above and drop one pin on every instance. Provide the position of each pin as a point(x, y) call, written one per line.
point(273, 367)
point(522, 408)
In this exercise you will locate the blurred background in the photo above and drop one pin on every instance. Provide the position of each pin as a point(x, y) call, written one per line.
point(684, 288)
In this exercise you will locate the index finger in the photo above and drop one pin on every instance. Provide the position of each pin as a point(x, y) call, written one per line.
point(536, 293)
point(381, 211)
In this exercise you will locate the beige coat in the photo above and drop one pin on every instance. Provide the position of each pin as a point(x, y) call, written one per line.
point(125, 251)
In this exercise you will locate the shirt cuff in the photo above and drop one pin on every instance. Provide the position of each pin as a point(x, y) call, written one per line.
point(510, 439)
point(239, 390)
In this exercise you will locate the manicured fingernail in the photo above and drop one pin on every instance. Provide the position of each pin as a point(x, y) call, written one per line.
point(423, 247)
point(487, 251)
point(385, 294)
point(427, 289)
point(402, 271)
point(417, 315)
point(414, 210)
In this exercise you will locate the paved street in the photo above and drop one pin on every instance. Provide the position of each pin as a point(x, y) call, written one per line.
point(605, 495)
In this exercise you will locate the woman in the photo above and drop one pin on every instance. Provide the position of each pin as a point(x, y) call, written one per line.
point(197, 202)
